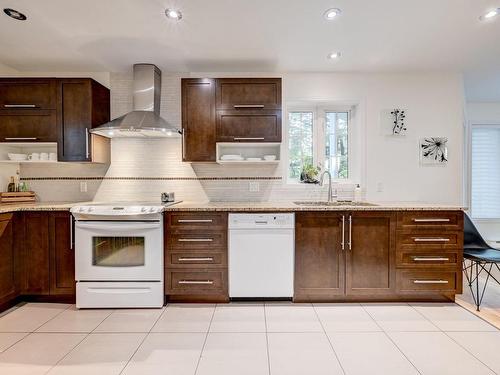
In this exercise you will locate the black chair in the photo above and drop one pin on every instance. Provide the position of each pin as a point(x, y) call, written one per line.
point(482, 257)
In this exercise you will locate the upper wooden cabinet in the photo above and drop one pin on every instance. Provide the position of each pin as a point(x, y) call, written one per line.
point(61, 110)
point(228, 110)
point(83, 104)
point(248, 93)
point(198, 119)
point(28, 93)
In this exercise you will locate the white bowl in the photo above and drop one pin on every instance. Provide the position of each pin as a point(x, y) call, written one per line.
point(17, 156)
point(269, 157)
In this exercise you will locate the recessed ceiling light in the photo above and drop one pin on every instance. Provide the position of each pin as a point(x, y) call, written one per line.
point(173, 14)
point(491, 14)
point(14, 14)
point(332, 13)
point(334, 55)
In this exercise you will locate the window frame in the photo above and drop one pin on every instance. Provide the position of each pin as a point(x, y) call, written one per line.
point(319, 112)
point(468, 166)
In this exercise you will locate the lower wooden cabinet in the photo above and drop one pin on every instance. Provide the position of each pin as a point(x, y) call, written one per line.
point(62, 255)
point(36, 279)
point(7, 261)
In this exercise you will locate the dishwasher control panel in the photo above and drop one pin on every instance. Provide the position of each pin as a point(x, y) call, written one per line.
point(268, 221)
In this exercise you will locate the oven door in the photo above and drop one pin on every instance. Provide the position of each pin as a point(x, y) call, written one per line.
point(118, 251)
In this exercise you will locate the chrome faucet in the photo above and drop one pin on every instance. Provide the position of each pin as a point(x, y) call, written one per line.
point(321, 182)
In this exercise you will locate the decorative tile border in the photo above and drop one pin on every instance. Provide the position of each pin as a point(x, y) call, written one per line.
point(101, 178)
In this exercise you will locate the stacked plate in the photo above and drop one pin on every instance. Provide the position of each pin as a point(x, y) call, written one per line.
point(17, 157)
point(230, 157)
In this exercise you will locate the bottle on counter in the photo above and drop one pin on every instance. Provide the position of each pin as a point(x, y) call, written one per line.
point(12, 186)
point(358, 196)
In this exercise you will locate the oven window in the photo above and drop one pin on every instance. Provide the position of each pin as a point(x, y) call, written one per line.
point(118, 251)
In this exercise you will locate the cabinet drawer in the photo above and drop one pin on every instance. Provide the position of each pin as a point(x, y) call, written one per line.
point(197, 220)
point(426, 281)
point(248, 126)
point(447, 220)
point(253, 93)
point(22, 94)
point(427, 259)
point(195, 281)
point(196, 258)
point(429, 239)
point(28, 126)
point(194, 240)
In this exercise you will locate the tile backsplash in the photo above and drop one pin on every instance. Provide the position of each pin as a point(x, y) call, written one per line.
point(141, 169)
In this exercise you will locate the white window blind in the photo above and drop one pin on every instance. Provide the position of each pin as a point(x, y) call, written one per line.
point(485, 176)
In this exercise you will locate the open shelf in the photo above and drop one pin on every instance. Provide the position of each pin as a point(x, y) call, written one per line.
point(248, 150)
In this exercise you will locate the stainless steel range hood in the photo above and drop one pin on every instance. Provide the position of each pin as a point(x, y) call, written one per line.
point(144, 120)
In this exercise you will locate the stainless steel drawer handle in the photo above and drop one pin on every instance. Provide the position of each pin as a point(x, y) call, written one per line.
point(20, 105)
point(206, 259)
point(248, 138)
point(20, 138)
point(431, 220)
point(430, 259)
point(196, 282)
point(248, 106)
point(430, 282)
point(195, 221)
point(195, 239)
point(431, 239)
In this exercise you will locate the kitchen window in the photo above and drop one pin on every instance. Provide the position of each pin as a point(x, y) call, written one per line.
point(319, 137)
point(485, 171)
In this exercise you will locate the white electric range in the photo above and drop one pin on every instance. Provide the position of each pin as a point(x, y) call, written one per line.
point(119, 255)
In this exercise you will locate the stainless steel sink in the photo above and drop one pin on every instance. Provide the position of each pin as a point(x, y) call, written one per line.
point(335, 204)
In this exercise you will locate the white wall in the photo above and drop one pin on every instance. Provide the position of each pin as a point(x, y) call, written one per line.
point(434, 105)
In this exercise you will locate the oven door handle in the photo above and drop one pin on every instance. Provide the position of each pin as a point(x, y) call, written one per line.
point(107, 226)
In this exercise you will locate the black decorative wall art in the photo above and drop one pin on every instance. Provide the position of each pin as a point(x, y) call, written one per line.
point(434, 150)
point(398, 122)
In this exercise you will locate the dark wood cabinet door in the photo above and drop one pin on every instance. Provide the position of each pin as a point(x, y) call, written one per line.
point(36, 255)
point(27, 93)
point(62, 256)
point(249, 126)
point(370, 253)
point(319, 259)
point(7, 262)
point(248, 93)
point(198, 119)
point(28, 126)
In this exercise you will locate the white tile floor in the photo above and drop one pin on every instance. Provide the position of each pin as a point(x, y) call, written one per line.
point(270, 339)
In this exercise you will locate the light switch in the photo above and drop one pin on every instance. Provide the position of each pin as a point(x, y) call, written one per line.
point(253, 186)
point(83, 187)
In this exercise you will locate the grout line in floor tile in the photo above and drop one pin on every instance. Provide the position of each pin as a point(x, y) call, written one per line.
point(390, 338)
point(205, 341)
point(55, 316)
point(329, 341)
point(267, 342)
point(10, 346)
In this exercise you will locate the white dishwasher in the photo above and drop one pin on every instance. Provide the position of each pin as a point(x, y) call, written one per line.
point(261, 255)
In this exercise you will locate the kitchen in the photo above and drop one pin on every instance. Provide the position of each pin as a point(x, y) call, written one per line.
point(191, 215)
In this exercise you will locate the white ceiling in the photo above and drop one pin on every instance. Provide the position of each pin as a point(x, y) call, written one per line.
point(251, 35)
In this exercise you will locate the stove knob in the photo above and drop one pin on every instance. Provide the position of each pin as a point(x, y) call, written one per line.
point(143, 209)
point(90, 209)
point(152, 209)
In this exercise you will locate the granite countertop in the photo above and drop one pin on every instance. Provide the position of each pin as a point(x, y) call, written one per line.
point(246, 207)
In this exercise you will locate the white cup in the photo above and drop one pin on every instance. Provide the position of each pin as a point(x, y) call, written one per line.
point(44, 156)
point(34, 156)
point(53, 156)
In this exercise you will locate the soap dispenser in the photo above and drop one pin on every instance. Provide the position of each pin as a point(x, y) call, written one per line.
point(357, 193)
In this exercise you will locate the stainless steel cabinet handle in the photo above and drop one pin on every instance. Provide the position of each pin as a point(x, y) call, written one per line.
point(21, 138)
point(248, 138)
point(248, 106)
point(87, 142)
point(430, 259)
point(183, 144)
point(342, 243)
point(430, 220)
point(350, 232)
point(431, 239)
point(71, 232)
point(206, 259)
point(20, 105)
point(195, 239)
point(430, 282)
point(196, 282)
point(195, 220)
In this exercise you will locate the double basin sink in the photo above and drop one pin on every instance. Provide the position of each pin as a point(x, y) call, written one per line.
point(334, 203)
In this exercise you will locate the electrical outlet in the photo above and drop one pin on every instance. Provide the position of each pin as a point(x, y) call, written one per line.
point(253, 186)
point(380, 187)
point(83, 187)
